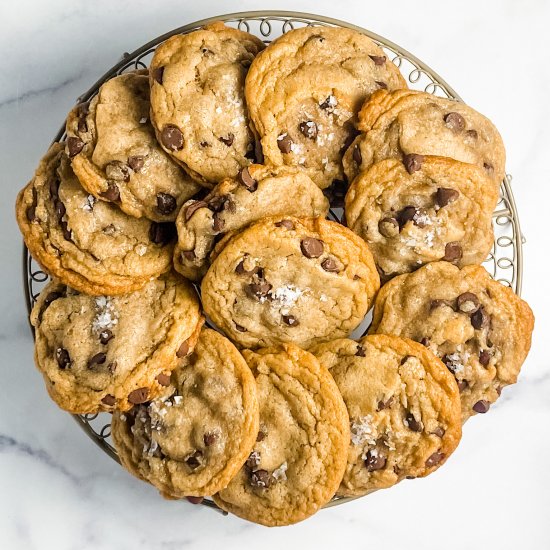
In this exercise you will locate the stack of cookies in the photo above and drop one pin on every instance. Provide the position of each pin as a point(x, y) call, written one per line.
point(199, 188)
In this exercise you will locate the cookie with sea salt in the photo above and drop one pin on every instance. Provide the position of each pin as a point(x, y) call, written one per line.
point(479, 328)
point(404, 409)
point(195, 441)
point(300, 280)
point(197, 100)
point(89, 245)
point(304, 92)
point(257, 192)
point(100, 353)
point(407, 124)
point(116, 156)
point(442, 211)
point(300, 454)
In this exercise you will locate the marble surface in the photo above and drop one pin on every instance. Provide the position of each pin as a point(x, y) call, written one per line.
point(57, 490)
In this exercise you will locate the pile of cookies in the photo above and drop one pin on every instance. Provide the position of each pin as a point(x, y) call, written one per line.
point(213, 167)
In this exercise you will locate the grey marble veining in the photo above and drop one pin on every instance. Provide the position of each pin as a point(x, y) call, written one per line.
point(58, 491)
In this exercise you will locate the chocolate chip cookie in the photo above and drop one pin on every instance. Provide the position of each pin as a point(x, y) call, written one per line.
point(115, 154)
point(89, 245)
point(257, 192)
point(407, 124)
point(404, 409)
point(304, 92)
point(300, 453)
point(197, 100)
point(442, 211)
point(99, 353)
point(478, 327)
point(287, 279)
point(195, 441)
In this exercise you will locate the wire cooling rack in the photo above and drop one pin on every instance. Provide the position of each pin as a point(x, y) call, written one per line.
point(504, 263)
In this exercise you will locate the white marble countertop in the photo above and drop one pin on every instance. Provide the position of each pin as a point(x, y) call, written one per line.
point(58, 491)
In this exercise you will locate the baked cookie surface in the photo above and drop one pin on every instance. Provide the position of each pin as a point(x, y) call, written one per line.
point(116, 156)
point(89, 245)
point(257, 192)
point(100, 353)
point(404, 409)
point(442, 211)
point(304, 92)
point(287, 279)
point(195, 441)
point(300, 455)
point(197, 100)
point(408, 124)
point(478, 327)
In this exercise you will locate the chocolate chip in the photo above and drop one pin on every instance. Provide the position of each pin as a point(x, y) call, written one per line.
point(157, 73)
point(189, 255)
point(360, 352)
point(287, 224)
point(192, 208)
point(261, 436)
point(330, 265)
point(439, 431)
point(63, 358)
point(413, 162)
point(388, 227)
point(311, 248)
point(75, 145)
point(329, 103)
point(405, 215)
point(136, 163)
point(285, 143)
point(183, 350)
point(462, 385)
point(82, 110)
point(111, 367)
point(166, 203)
point(109, 400)
point(384, 404)
point(467, 302)
point(112, 193)
point(381, 84)
point(253, 460)
point(66, 231)
point(472, 134)
point(138, 396)
point(453, 252)
point(374, 461)
point(163, 379)
point(228, 140)
point(210, 438)
point(161, 233)
point(54, 187)
point(82, 126)
point(482, 406)
point(260, 478)
point(434, 459)
point(257, 290)
point(240, 328)
point(105, 336)
point(412, 423)
point(117, 171)
point(379, 60)
point(455, 122)
point(488, 167)
point(218, 223)
point(51, 297)
point(97, 359)
point(218, 203)
point(194, 500)
point(171, 137)
point(479, 318)
point(425, 342)
point(445, 196)
point(357, 156)
point(59, 209)
point(194, 460)
point(484, 357)
point(204, 144)
point(290, 320)
point(246, 179)
point(308, 129)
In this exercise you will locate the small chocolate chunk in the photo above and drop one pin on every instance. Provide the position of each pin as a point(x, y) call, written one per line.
point(163, 379)
point(287, 224)
point(210, 438)
point(311, 248)
point(247, 180)
point(261, 435)
point(357, 156)
point(138, 396)
point(484, 357)
point(413, 162)
point(75, 145)
point(425, 342)
point(109, 400)
point(161, 233)
point(194, 500)
point(63, 358)
point(189, 255)
point(171, 137)
point(105, 336)
point(472, 134)
point(257, 290)
point(59, 209)
point(384, 404)
point(489, 168)
point(388, 227)
point(434, 459)
point(290, 320)
point(218, 223)
point(379, 60)
point(97, 359)
point(462, 385)
point(285, 143)
point(330, 265)
point(360, 352)
point(193, 207)
point(455, 122)
point(482, 406)
point(374, 461)
point(467, 302)
point(228, 140)
point(66, 231)
point(194, 460)
point(445, 196)
point(453, 252)
point(329, 103)
point(112, 193)
point(136, 163)
point(381, 84)
point(479, 318)
point(308, 129)
point(166, 203)
point(253, 460)
point(183, 350)
point(157, 73)
point(260, 478)
point(439, 431)
point(406, 215)
point(240, 328)
point(412, 423)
